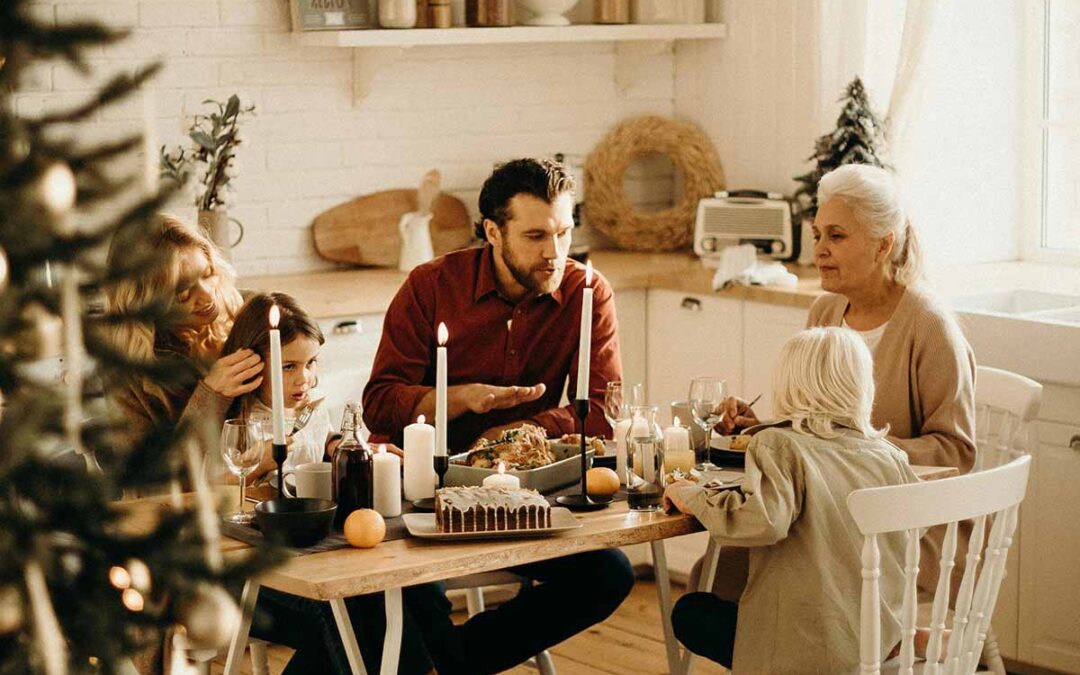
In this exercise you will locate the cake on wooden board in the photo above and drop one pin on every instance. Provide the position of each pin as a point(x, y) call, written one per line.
point(490, 509)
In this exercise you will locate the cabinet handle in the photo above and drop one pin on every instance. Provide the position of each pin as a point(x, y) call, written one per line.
point(1074, 442)
point(692, 304)
point(348, 326)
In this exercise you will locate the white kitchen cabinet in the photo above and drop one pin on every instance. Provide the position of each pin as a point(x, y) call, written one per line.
point(765, 330)
point(1049, 578)
point(690, 336)
point(631, 312)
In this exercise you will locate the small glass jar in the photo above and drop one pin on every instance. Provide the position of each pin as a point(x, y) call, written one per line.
point(645, 460)
point(489, 13)
point(611, 11)
point(397, 13)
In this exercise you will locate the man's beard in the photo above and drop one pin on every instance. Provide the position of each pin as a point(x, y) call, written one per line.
point(531, 278)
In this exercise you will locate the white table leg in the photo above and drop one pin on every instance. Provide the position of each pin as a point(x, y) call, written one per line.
point(240, 638)
point(705, 584)
point(348, 637)
point(663, 592)
point(391, 649)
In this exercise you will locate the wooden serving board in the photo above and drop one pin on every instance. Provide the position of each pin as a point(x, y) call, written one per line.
point(364, 231)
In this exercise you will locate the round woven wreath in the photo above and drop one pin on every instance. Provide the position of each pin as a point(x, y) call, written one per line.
point(613, 214)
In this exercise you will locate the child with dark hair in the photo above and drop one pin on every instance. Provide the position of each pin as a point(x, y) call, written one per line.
point(301, 340)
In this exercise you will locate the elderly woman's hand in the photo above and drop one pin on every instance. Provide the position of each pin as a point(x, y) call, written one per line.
point(737, 415)
point(672, 501)
point(230, 375)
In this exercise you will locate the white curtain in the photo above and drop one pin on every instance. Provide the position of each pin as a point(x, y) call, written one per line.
point(910, 79)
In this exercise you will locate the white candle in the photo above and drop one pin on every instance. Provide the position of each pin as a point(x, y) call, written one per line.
point(676, 437)
point(419, 471)
point(277, 388)
point(502, 479)
point(440, 392)
point(386, 475)
point(585, 337)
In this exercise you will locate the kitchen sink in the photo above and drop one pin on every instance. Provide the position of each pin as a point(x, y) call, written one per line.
point(1016, 302)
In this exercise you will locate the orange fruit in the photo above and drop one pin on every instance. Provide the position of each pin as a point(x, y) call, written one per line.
point(601, 481)
point(365, 528)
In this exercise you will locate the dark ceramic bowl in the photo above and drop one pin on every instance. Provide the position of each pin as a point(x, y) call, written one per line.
point(608, 461)
point(298, 522)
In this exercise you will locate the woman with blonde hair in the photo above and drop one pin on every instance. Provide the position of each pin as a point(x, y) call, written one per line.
point(799, 612)
point(193, 283)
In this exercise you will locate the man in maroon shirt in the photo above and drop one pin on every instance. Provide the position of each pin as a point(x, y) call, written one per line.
point(513, 311)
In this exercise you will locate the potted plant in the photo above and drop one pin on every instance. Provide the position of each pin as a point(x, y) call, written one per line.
point(207, 167)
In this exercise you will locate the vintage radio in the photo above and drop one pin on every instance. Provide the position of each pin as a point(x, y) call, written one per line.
point(763, 219)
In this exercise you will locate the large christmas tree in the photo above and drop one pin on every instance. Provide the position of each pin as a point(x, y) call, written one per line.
point(81, 590)
point(858, 139)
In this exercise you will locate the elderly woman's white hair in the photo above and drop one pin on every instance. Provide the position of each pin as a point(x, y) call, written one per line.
point(825, 380)
point(873, 195)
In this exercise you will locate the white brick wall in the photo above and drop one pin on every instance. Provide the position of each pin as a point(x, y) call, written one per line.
point(458, 109)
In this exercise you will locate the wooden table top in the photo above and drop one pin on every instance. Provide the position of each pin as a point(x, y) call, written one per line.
point(405, 562)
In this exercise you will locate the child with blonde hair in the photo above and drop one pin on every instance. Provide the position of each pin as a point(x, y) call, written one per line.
point(800, 610)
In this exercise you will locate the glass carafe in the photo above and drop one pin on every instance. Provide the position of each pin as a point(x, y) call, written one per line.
point(645, 460)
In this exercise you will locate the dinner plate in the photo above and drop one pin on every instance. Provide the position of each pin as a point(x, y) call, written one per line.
point(724, 443)
point(422, 525)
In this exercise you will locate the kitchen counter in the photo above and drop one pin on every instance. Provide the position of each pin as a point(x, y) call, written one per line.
point(350, 292)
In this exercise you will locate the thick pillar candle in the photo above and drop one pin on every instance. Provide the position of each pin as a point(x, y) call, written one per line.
point(386, 474)
point(277, 388)
point(502, 479)
point(585, 336)
point(419, 449)
point(677, 451)
point(440, 392)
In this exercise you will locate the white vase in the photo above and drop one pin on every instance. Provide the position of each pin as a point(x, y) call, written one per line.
point(547, 12)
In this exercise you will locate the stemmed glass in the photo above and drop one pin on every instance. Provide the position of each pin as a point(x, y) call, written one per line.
point(706, 395)
point(618, 401)
point(241, 447)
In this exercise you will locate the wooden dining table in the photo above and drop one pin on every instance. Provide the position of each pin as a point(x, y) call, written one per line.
point(335, 575)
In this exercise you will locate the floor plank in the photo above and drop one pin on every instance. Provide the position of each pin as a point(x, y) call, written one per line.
point(631, 641)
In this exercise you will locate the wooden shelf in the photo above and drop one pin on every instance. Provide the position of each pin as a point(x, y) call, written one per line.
point(511, 35)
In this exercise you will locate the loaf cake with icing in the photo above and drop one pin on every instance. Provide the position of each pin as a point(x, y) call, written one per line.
point(490, 509)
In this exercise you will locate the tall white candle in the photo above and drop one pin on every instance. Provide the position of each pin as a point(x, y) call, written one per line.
point(386, 475)
point(277, 388)
point(502, 479)
point(440, 392)
point(585, 337)
point(419, 449)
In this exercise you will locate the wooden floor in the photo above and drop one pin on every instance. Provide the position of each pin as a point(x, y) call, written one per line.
point(629, 642)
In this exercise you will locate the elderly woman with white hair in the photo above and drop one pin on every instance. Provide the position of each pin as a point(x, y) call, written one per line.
point(800, 610)
point(868, 254)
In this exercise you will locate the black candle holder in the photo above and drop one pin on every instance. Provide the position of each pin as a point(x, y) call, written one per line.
point(442, 464)
point(582, 502)
point(280, 452)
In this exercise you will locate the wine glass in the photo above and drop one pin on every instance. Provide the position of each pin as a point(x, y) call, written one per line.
point(618, 401)
point(241, 447)
point(706, 395)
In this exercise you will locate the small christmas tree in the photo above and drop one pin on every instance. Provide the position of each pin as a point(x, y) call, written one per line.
point(858, 139)
point(80, 589)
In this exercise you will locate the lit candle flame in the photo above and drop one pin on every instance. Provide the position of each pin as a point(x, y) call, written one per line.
point(676, 422)
point(275, 316)
point(58, 188)
point(444, 334)
point(502, 468)
point(420, 419)
point(588, 273)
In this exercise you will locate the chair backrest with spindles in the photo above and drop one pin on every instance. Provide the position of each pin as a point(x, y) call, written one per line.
point(1006, 404)
point(989, 497)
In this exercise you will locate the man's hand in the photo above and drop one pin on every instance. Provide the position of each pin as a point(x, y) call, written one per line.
point(483, 398)
point(672, 501)
point(737, 415)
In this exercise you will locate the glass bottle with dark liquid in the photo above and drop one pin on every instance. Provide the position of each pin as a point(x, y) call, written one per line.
point(352, 471)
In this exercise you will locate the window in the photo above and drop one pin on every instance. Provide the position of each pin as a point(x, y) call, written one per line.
point(1060, 129)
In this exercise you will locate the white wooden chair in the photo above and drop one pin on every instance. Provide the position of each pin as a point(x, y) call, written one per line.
point(992, 495)
point(1006, 404)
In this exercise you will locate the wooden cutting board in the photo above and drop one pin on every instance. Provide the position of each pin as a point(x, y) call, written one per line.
point(364, 231)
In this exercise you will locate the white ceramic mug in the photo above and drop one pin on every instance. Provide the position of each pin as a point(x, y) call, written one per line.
point(312, 480)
